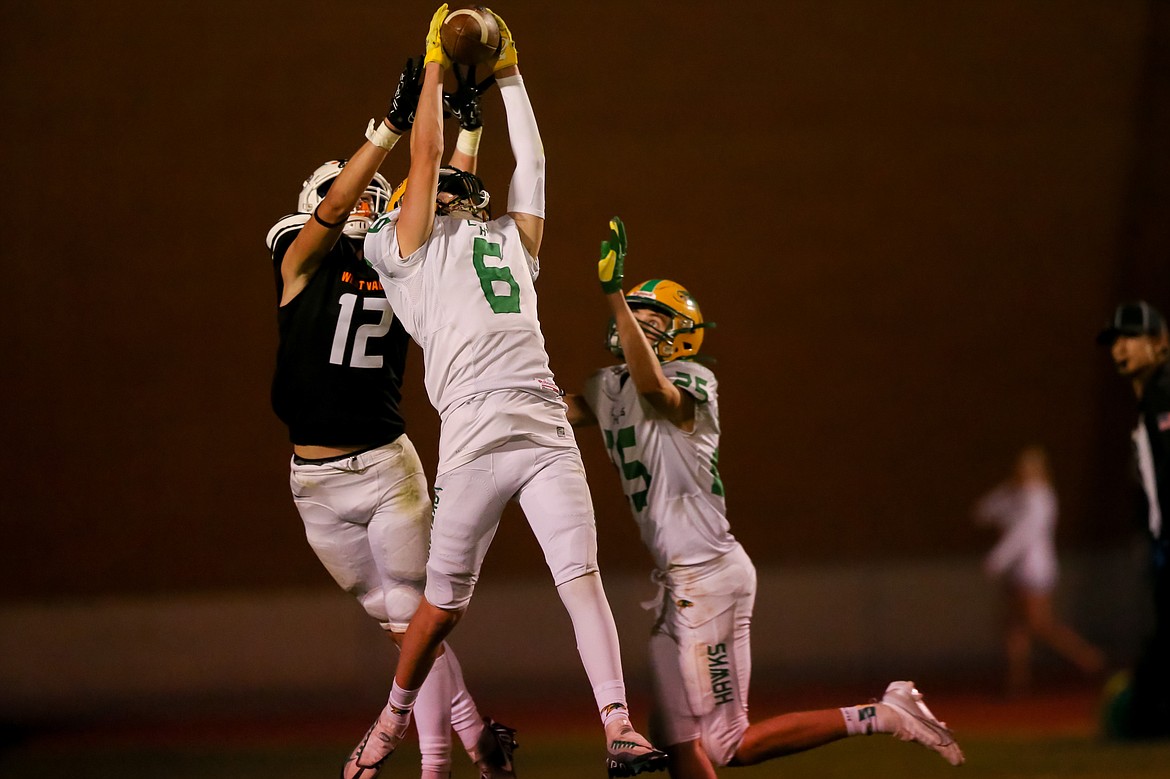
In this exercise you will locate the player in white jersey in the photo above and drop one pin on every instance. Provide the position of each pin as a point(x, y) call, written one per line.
point(462, 284)
point(356, 479)
point(659, 415)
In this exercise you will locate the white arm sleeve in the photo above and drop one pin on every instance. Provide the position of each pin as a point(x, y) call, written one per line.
point(526, 191)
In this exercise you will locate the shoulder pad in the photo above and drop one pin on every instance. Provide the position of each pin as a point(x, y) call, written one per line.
point(286, 225)
point(692, 367)
point(696, 379)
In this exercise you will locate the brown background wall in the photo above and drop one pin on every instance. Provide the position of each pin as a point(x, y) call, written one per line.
point(908, 219)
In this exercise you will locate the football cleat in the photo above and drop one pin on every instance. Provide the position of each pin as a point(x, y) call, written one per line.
point(630, 754)
point(493, 753)
point(378, 744)
point(917, 723)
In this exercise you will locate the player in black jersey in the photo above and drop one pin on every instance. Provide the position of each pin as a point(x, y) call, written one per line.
point(356, 479)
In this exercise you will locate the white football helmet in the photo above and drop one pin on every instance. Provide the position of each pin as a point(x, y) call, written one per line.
point(371, 203)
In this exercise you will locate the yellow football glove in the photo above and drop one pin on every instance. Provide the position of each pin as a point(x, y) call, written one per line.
point(435, 51)
point(507, 44)
point(611, 266)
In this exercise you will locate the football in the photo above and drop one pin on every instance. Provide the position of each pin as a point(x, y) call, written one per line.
point(470, 36)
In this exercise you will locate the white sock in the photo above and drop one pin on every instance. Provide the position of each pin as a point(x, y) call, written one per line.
point(615, 693)
point(465, 716)
point(867, 719)
point(597, 640)
point(432, 719)
point(401, 702)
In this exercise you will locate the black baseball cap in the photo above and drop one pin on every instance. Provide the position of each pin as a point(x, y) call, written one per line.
point(1136, 318)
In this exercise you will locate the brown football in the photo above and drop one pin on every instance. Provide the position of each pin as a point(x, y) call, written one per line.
point(470, 36)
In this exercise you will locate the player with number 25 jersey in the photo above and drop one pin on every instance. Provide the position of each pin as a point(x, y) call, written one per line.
point(659, 417)
point(669, 475)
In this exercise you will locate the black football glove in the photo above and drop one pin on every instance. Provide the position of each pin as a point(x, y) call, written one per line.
point(463, 103)
point(405, 101)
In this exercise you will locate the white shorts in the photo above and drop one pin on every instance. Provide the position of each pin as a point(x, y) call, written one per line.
point(489, 420)
point(1036, 571)
point(700, 654)
point(368, 519)
point(549, 484)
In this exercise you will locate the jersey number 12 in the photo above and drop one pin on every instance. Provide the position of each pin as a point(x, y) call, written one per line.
point(363, 334)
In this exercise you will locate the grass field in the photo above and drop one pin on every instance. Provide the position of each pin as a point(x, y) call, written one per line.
point(1048, 736)
point(578, 757)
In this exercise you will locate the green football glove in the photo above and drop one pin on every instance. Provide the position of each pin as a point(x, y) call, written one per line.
point(435, 51)
point(507, 44)
point(611, 266)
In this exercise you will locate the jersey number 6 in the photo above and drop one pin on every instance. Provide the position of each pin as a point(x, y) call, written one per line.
point(494, 277)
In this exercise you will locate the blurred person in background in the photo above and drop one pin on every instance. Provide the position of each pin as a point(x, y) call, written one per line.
point(1024, 509)
point(1138, 344)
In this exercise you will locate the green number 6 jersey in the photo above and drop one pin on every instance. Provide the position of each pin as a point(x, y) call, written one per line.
point(467, 298)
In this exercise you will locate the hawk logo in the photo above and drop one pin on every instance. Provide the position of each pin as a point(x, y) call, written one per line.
point(616, 415)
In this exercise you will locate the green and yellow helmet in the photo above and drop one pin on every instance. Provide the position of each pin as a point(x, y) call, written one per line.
point(467, 188)
point(684, 336)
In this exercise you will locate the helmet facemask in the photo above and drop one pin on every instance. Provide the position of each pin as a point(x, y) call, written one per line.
point(662, 341)
point(684, 333)
point(371, 202)
point(467, 191)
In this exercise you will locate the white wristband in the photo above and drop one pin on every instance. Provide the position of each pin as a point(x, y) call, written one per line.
point(468, 141)
point(380, 135)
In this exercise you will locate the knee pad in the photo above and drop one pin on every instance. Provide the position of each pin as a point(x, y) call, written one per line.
point(400, 603)
point(450, 591)
point(374, 603)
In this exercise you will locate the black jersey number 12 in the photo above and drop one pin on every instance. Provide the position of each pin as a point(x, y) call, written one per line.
point(363, 334)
